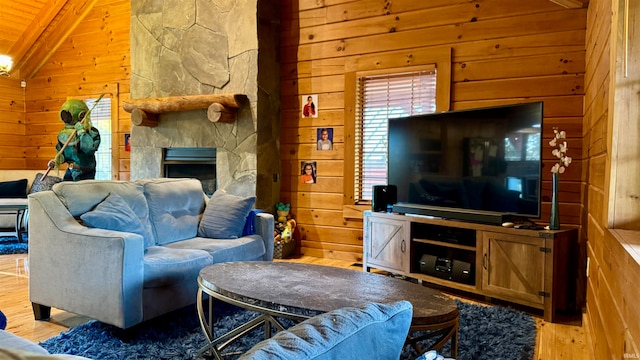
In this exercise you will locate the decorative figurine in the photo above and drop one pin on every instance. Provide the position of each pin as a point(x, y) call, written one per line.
point(77, 142)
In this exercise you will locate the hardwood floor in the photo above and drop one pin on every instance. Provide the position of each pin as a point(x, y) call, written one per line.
point(554, 340)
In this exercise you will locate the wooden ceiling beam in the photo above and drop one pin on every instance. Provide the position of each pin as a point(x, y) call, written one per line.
point(66, 21)
point(572, 4)
point(39, 24)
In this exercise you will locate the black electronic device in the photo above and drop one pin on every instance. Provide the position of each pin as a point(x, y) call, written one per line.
point(384, 196)
point(446, 268)
point(482, 165)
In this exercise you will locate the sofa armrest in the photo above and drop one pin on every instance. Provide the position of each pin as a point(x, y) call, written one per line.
point(93, 272)
point(264, 225)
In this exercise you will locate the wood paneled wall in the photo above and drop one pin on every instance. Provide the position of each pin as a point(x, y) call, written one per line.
point(94, 59)
point(503, 52)
point(12, 129)
point(610, 121)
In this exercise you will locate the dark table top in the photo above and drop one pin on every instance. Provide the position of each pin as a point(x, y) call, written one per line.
point(295, 288)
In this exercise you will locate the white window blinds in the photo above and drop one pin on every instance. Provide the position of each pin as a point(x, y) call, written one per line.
point(101, 120)
point(379, 98)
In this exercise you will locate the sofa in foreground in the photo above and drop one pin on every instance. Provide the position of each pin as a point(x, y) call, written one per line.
point(371, 331)
point(125, 252)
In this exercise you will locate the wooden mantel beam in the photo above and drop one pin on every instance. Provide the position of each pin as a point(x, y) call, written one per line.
point(220, 107)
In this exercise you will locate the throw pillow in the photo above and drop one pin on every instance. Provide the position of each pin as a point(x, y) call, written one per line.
point(225, 215)
point(113, 213)
point(42, 185)
point(3, 321)
point(13, 189)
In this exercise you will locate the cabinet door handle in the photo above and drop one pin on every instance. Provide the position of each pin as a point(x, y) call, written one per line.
point(484, 261)
point(403, 246)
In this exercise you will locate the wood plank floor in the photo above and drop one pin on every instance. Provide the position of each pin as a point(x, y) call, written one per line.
point(554, 340)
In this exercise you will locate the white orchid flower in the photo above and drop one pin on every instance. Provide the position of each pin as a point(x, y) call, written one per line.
point(559, 151)
point(563, 147)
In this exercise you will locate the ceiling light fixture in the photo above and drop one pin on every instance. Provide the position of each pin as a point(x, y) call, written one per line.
point(5, 65)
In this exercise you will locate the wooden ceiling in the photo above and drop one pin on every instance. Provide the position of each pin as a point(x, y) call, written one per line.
point(32, 30)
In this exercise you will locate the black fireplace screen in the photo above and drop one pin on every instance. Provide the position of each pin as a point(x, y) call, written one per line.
point(199, 163)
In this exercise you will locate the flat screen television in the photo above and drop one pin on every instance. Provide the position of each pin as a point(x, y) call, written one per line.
point(481, 165)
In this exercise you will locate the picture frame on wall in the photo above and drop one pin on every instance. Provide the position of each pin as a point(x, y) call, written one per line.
point(309, 106)
point(325, 139)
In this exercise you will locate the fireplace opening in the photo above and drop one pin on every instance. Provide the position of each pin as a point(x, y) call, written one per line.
point(199, 163)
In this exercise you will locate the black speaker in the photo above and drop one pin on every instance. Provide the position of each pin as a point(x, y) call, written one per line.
point(383, 197)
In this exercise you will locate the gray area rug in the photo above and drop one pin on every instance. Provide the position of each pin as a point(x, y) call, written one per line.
point(10, 245)
point(485, 333)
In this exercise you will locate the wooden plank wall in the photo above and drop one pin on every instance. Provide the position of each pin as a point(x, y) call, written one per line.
point(12, 155)
point(94, 59)
point(614, 270)
point(504, 52)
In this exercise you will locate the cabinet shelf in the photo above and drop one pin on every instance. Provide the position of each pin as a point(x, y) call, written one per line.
point(446, 244)
point(446, 283)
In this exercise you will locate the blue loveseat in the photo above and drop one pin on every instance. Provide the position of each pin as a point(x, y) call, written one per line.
point(371, 331)
point(125, 252)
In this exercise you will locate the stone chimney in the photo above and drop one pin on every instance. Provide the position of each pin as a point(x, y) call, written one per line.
point(197, 47)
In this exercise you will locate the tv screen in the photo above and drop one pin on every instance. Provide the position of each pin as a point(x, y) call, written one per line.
point(470, 161)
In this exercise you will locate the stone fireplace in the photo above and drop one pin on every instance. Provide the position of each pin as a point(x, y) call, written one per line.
point(199, 163)
point(196, 47)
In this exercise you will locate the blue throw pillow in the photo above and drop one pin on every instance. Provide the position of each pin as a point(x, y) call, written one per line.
point(373, 331)
point(225, 215)
point(113, 213)
point(3, 321)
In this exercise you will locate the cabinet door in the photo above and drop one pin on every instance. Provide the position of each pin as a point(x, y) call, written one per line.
point(514, 267)
point(386, 243)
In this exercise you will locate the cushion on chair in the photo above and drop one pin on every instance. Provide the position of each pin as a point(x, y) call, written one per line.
point(164, 266)
point(13, 189)
point(82, 196)
point(42, 185)
point(225, 215)
point(245, 248)
point(113, 213)
point(373, 331)
point(174, 220)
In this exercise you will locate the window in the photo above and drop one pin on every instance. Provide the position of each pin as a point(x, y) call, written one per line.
point(379, 98)
point(379, 86)
point(101, 120)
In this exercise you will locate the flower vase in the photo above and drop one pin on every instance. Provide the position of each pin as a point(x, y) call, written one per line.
point(554, 221)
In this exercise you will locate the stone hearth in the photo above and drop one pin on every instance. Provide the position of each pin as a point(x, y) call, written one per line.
point(194, 47)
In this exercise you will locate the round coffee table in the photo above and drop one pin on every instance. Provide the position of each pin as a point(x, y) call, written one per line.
point(299, 291)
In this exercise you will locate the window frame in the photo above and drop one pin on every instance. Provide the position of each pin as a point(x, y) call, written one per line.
point(111, 92)
point(385, 63)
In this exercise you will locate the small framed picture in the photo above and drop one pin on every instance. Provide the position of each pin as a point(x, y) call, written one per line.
point(309, 106)
point(127, 142)
point(325, 139)
point(307, 172)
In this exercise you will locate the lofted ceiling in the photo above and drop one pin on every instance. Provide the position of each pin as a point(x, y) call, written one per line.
point(32, 30)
